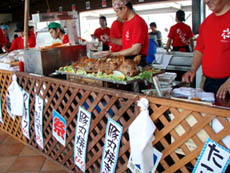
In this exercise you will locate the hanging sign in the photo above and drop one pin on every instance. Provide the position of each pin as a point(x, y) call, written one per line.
point(25, 122)
point(81, 138)
point(104, 4)
point(111, 148)
point(59, 127)
point(87, 5)
point(136, 168)
point(8, 106)
point(1, 120)
point(213, 158)
point(38, 120)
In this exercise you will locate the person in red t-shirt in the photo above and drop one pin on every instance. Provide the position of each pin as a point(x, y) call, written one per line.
point(135, 40)
point(18, 43)
point(102, 33)
point(1, 40)
point(116, 33)
point(180, 35)
point(57, 32)
point(213, 50)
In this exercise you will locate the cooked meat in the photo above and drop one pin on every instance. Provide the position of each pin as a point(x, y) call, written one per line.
point(109, 64)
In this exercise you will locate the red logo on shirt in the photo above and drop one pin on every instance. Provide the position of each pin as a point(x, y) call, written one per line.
point(127, 36)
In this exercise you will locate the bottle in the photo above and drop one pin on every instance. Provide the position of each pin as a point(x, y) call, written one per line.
point(21, 64)
point(100, 47)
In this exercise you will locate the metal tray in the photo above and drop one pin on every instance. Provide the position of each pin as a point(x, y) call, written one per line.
point(101, 79)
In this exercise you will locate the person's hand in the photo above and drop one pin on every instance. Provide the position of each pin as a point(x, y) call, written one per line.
point(104, 38)
point(224, 89)
point(102, 54)
point(188, 77)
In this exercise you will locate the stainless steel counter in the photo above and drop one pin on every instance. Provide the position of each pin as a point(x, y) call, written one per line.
point(180, 61)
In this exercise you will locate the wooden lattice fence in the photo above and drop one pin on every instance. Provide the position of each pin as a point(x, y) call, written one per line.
point(182, 128)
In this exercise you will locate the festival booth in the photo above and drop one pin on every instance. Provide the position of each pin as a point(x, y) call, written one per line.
point(53, 125)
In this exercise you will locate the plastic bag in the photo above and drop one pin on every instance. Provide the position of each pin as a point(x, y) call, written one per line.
point(141, 136)
point(16, 97)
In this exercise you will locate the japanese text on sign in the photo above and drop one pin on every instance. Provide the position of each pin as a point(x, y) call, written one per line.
point(81, 138)
point(213, 158)
point(38, 120)
point(111, 148)
point(25, 122)
point(59, 127)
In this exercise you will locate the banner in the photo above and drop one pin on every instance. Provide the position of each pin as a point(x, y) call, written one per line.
point(111, 147)
point(81, 138)
point(25, 122)
point(38, 120)
point(59, 127)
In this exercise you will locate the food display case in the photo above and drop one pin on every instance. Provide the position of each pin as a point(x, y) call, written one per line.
point(45, 62)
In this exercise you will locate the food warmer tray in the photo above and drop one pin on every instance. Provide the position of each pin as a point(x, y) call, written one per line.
point(101, 79)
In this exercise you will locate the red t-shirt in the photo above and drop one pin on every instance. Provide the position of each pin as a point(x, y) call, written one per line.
point(65, 39)
point(115, 32)
point(18, 43)
point(135, 31)
point(180, 34)
point(99, 32)
point(214, 43)
point(5, 40)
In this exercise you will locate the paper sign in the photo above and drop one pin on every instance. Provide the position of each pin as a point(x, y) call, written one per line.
point(111, 148)
point(135, 168)
point(81, 138)
point(87, 5)
point(38, 120)
point(25, 122)
point(213, 158)
point(104, 4)
point(1, 120)
point(59, 127)
point(8, 105)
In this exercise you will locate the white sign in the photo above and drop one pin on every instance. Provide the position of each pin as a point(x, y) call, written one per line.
point(25, 122)
point(136, 168)
point(8, 106)
point(81, 138)
point(38, 120)
point(111, 148)
point(59, 127)
point(1, 120)
point(87, 5)
point(213, 158)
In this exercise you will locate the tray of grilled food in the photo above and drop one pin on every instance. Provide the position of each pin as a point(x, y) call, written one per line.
point(113, 69)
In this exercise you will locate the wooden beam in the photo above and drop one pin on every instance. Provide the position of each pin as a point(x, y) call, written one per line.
point(26, 17)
